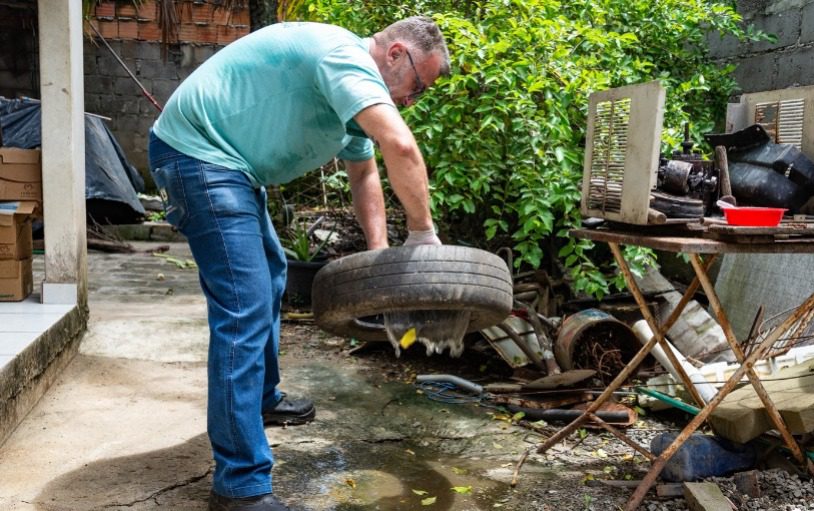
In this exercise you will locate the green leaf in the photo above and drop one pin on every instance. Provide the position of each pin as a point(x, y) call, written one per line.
point(428, 501)
point(464, 490)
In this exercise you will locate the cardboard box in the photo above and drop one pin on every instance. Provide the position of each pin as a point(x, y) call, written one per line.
point(15, 230)
point(20, 174)
point(16, 280)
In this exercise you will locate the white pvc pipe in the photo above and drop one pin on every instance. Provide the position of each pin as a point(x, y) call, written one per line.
point(705, 389)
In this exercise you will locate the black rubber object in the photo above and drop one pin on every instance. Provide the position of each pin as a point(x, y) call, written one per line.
point(350, 291)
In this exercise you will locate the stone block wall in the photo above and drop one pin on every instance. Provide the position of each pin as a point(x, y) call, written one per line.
point(134, 35)
point(763, 65)
point(111, 92)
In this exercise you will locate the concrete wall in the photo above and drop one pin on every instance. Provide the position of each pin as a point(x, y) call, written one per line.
point(133, 33)
point(778, 281)
point(109, 90)
point(766, 66)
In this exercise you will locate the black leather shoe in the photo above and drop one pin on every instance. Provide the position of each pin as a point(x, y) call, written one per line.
point(290, 411)
point(267, 502)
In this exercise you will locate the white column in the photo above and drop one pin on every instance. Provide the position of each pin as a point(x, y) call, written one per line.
point(63, 150)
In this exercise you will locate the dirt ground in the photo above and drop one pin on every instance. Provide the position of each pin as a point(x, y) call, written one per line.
point(568, 476)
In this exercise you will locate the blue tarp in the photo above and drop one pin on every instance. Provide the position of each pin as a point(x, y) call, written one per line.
point(112, 184)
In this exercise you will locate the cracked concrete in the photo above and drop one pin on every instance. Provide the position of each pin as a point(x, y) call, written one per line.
point(124, 427)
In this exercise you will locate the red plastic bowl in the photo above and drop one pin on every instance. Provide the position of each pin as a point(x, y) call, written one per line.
point(753, 216)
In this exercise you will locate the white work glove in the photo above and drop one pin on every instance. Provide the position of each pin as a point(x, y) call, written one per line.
point(427, 237)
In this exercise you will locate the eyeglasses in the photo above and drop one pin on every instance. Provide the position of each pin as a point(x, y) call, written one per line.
point(419, 85)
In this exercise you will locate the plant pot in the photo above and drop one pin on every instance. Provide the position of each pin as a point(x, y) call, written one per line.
point(299, 281)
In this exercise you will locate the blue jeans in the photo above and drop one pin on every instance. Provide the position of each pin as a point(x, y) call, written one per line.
point(242, 270)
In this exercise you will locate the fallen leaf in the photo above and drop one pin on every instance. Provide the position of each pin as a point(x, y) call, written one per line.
point(428, 501)
point(462, 489)
point(351, 483)
point(410, 452)
point(419, 492)
point(497, 446)
point(459, 471)
point(518, 416)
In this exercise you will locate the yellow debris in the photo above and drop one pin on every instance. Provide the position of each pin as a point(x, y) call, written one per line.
point(408, 339)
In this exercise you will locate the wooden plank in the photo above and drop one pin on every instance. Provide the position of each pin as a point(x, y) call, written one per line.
point(739, 238)
point(705, 497)
point(783, 228)
point(741, 416)
point(693, 245)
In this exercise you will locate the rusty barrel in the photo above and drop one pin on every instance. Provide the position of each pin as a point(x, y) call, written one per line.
point(593, 339)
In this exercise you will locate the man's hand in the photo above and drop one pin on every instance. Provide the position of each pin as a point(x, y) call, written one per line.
point(427, 237)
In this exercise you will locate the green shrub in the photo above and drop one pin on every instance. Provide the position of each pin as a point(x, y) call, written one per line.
point(503, 137)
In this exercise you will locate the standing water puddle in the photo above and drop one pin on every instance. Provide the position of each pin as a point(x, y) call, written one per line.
point(387, 476)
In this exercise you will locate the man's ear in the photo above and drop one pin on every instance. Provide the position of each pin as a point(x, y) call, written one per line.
point(395, 51)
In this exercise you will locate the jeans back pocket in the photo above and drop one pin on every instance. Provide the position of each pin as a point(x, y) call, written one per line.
point(171, 189)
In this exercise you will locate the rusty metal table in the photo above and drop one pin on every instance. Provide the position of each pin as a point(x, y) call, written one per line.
point(695, 247)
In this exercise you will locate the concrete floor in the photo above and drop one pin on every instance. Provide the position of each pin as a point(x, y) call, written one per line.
point(124, 427)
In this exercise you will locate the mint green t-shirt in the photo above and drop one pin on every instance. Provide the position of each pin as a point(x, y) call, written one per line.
point(277, 103)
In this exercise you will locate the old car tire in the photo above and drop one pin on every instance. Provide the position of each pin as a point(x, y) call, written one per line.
point(349, 291)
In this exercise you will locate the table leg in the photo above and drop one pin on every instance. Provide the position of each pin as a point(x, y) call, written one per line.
point(658, 465)
point(754, 379)
point(654, 326)
point(631, 366)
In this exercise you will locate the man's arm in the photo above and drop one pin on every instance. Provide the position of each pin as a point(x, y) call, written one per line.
point(368, 201)
point(405, 165)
